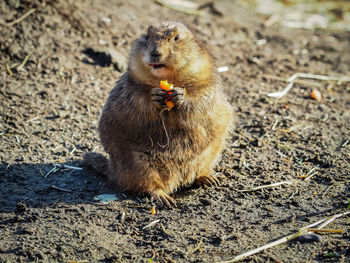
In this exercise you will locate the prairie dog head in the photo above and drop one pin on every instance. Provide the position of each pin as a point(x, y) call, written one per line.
point(163, 51)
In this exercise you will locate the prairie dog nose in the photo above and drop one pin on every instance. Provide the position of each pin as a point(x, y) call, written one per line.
point(155, 53)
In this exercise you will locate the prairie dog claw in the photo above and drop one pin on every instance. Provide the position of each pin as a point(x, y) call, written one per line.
point(163, 198)
point(207, 180)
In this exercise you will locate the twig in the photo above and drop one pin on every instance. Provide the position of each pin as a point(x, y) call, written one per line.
point(23, 63)
point(33, 119)
point(69, 167)
point(198, 247)
point(310, 174)
point(20, 19)
point(9, 69)
point(313, 169)
point(292, 79)
point(122, 217)
point(53, 170)
point(151, 224)
point(60, 189)
point(319, 231)
point(297, 81)
point(164, 230)
point(73, 150)
point(183, 9)
point(293, 194)
point(331, 219)
point(282, 154)
point(302, 231)
point(325, 192)
point(344, 143)
point(264, 186)
point(247, 166)
point(274, 124)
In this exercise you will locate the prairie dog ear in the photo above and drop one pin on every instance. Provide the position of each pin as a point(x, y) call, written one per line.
point(150, 29)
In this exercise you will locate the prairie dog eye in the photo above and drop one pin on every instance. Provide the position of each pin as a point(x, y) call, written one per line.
point(177, 38)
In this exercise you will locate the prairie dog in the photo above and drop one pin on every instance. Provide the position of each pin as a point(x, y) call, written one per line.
point(153, 150)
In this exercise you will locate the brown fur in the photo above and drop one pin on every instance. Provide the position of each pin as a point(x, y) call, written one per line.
point(153, 150)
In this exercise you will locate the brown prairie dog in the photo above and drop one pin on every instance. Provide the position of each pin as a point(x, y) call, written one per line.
point(153, 150)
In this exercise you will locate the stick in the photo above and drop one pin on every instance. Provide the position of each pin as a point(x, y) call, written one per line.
point(53, 170)
point(9, 69)
point(291, 80)
point(60, 189)
point(20, 19)
point(183, 9)
point(319, 231)
point(23, 63)
point(302, 231)
point(122, 217)
point(69, 167)
point(330, 220)
point(325, 192)
point(264, 186)
point(298, 81)
point(151, 224)
point(310, 174)
point(198, 247)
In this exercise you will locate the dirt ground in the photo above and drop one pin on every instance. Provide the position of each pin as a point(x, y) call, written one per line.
point(59, 63)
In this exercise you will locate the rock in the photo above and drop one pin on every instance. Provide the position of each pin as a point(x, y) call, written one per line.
point(308, 238)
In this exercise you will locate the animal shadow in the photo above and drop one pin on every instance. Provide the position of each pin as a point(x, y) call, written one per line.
point(42, 185)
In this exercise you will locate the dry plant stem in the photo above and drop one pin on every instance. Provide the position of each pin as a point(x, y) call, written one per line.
point(325, 192)
point(310, 176)
point(53, 170)
point(61, 189)
point(69, 167)
point(264, 186)
point(182, 9)
point(344, 143)
point(302, 231)
point(198, 247)
point(292, 79)
point(320, 231)
point(20, 67)
point(9, 69)
point(331, 219)
point(20, 19)
point(297, 81)
point(151, 224)
point(122, 217)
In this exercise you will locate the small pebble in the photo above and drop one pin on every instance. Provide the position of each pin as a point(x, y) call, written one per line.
point(107, 20)
point(222, 69)
point(308, 238)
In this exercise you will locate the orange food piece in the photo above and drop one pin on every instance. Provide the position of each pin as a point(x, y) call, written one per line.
point(153, 210)
point(165, 85)
point(168, 87)
point(316, 95)
point(169, 103)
